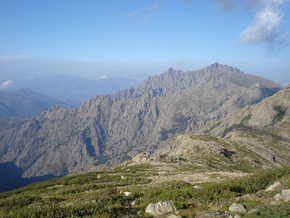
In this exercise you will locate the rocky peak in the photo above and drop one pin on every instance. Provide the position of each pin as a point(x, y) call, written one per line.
point(175, 82)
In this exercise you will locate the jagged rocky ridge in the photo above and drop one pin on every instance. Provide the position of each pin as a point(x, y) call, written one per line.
point(108, 130)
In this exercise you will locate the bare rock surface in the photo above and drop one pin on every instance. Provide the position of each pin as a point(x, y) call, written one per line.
point(286, 195)
point(238, 208)
point(278, 197)
point(160, 208)
point(273, 187)
point(173, 216)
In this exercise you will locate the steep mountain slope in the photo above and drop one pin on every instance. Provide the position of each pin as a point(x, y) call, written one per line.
point(25, 103)
point(263, 128)
point(103, 132)
point(255, 137)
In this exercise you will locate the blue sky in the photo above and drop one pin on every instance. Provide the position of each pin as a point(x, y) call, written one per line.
point(141, 38)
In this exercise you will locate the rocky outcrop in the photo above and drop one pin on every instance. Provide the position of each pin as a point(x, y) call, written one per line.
point(273, 187)
point(160, 208)
point(238, 208)
point(286, 195)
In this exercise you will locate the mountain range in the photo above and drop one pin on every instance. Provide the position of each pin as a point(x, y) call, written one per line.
point(73, 90)
point(25, 103)
point(108, 130)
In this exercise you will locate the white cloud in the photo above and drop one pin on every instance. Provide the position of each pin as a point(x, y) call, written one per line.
point(6, 84)
point(146, 13)
point(103, 77)
point(133, 13)
point(266, 25)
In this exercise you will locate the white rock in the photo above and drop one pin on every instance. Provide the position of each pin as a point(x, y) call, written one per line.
point(237, 208)
point(278, 197)
point(173, 216)
point(256, 210)
point(237, 216)
point(286, 195)
point(127, 193)
point(132, 203)
point(160, 208)
point(273, 187)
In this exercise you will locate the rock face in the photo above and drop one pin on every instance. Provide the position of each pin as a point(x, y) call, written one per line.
point(262, 128)
point(108, 130)
point(160, 208)
point(238, 208)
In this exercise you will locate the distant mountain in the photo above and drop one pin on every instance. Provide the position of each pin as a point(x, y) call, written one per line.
point(107, 130)
point(25, 103)
point(74, 90)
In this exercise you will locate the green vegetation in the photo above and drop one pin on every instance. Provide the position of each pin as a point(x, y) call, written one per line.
point(246, 118)
point(100, 194)
point(213, 126)
point(280, 113)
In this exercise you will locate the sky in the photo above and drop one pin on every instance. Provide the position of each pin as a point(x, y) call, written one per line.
point(140, 38)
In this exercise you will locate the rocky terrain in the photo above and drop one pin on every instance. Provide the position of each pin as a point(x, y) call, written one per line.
point(252, 138)
point(108, 130)
point(131, 191)
point(235, 167)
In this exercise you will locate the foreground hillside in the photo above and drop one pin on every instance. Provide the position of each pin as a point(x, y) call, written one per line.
point(128, 191)
point(108, 130)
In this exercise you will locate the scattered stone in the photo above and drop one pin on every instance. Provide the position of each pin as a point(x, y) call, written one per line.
point(123, 177)
point(55, 186)
point(245, 196)
point(237, 216)
point(286, 195)
point(273, 187)
point(278, 197)
point(196, 186)
point(160, 208)
point(127, 193)
point(275, 203)
point(99, 176)
point(255, 211)
point(132, 203)
point(237, 208)
point(173, 216)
